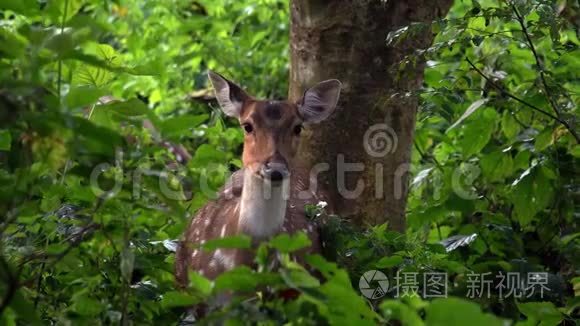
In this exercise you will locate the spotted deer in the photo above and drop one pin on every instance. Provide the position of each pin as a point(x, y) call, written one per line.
point(267, 196)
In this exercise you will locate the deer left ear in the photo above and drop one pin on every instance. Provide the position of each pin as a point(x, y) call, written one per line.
point(230, 96)
point(319, 101)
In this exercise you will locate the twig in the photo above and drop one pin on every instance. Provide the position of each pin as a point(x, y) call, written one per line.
point(531, 106)
point(59, 73)
point(39, 282)
point(13, 286)
point(125, 294)
point(522, 23)
point(427, 156)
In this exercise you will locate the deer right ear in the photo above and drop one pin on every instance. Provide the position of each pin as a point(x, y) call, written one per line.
point(229, 95)
point(319, 101)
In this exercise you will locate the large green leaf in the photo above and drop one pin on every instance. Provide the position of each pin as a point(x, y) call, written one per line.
point(456, 312)
point(478, 132)
point(239, 241)
point(496, 166)
point(288, 243)
point(27, 8)
point(83, 96)
point(397, 310)
point(541, 313)
point(177, 299)
point(179, 126)
point(97, 76)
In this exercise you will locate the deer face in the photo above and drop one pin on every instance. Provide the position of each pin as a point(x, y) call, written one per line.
point(272, 128)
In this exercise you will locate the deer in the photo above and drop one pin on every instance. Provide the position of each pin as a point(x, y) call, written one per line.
point(266, 196)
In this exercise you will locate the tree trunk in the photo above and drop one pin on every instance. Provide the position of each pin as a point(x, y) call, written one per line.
point(374, 123)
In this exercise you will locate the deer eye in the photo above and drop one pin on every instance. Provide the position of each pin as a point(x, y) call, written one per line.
point(297, 130)
point(248, 128)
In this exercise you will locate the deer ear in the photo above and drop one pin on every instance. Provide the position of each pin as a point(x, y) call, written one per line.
point(319, 101)
point(229, 95)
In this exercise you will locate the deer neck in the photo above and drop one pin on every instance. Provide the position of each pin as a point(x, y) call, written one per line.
point(262, 206)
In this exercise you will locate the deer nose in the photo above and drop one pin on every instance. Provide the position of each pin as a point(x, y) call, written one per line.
point(275, 171)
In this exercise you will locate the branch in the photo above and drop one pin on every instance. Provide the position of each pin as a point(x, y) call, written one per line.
point(522, 23)
point(13, 286)
point(533, 107)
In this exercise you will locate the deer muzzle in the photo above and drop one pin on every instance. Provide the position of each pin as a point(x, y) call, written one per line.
point(275, 171)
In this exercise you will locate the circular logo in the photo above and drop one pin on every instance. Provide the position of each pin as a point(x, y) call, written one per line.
point(380, 140)
point(372, 290)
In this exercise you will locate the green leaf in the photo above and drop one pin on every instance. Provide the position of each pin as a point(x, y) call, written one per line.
point(5, 140)
point(299, 278)
point(206, 155)
point(543, 140)
point(532, 192)
point(472, 108)
point(27, 8)
point(286, 243)
point(522, 160)
point(238, 241)
point(322, 265)
point(200, 283)
point(57, 10)
point(388, 262)
point(86, 306)
point(95, 139)
point(258, 37)
point(397, 310)
point(575, 151)
point(82, 96)
point(242, 278)
point(13, 45)
point(456, 312)
point(131, 108)
point(174, 299)
point(477, 133)
point(339, 303)
point(541, 313)
point(180, 126)
point(97, 73)
point(497, 166)
point(509, 125)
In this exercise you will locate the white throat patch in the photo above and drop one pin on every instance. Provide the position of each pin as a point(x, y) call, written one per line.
point(262, 206)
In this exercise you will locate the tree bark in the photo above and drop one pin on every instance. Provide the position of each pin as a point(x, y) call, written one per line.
point(374, 123)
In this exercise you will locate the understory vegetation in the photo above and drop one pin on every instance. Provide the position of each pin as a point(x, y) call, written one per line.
point(110, 139)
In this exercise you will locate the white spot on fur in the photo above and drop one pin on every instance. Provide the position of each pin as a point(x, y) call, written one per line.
point(223, 233)
point(228, 262)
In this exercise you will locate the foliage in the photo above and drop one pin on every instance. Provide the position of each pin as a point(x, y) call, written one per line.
point(91, 197)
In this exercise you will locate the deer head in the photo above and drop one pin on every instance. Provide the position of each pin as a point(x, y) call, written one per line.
point(272, 128)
